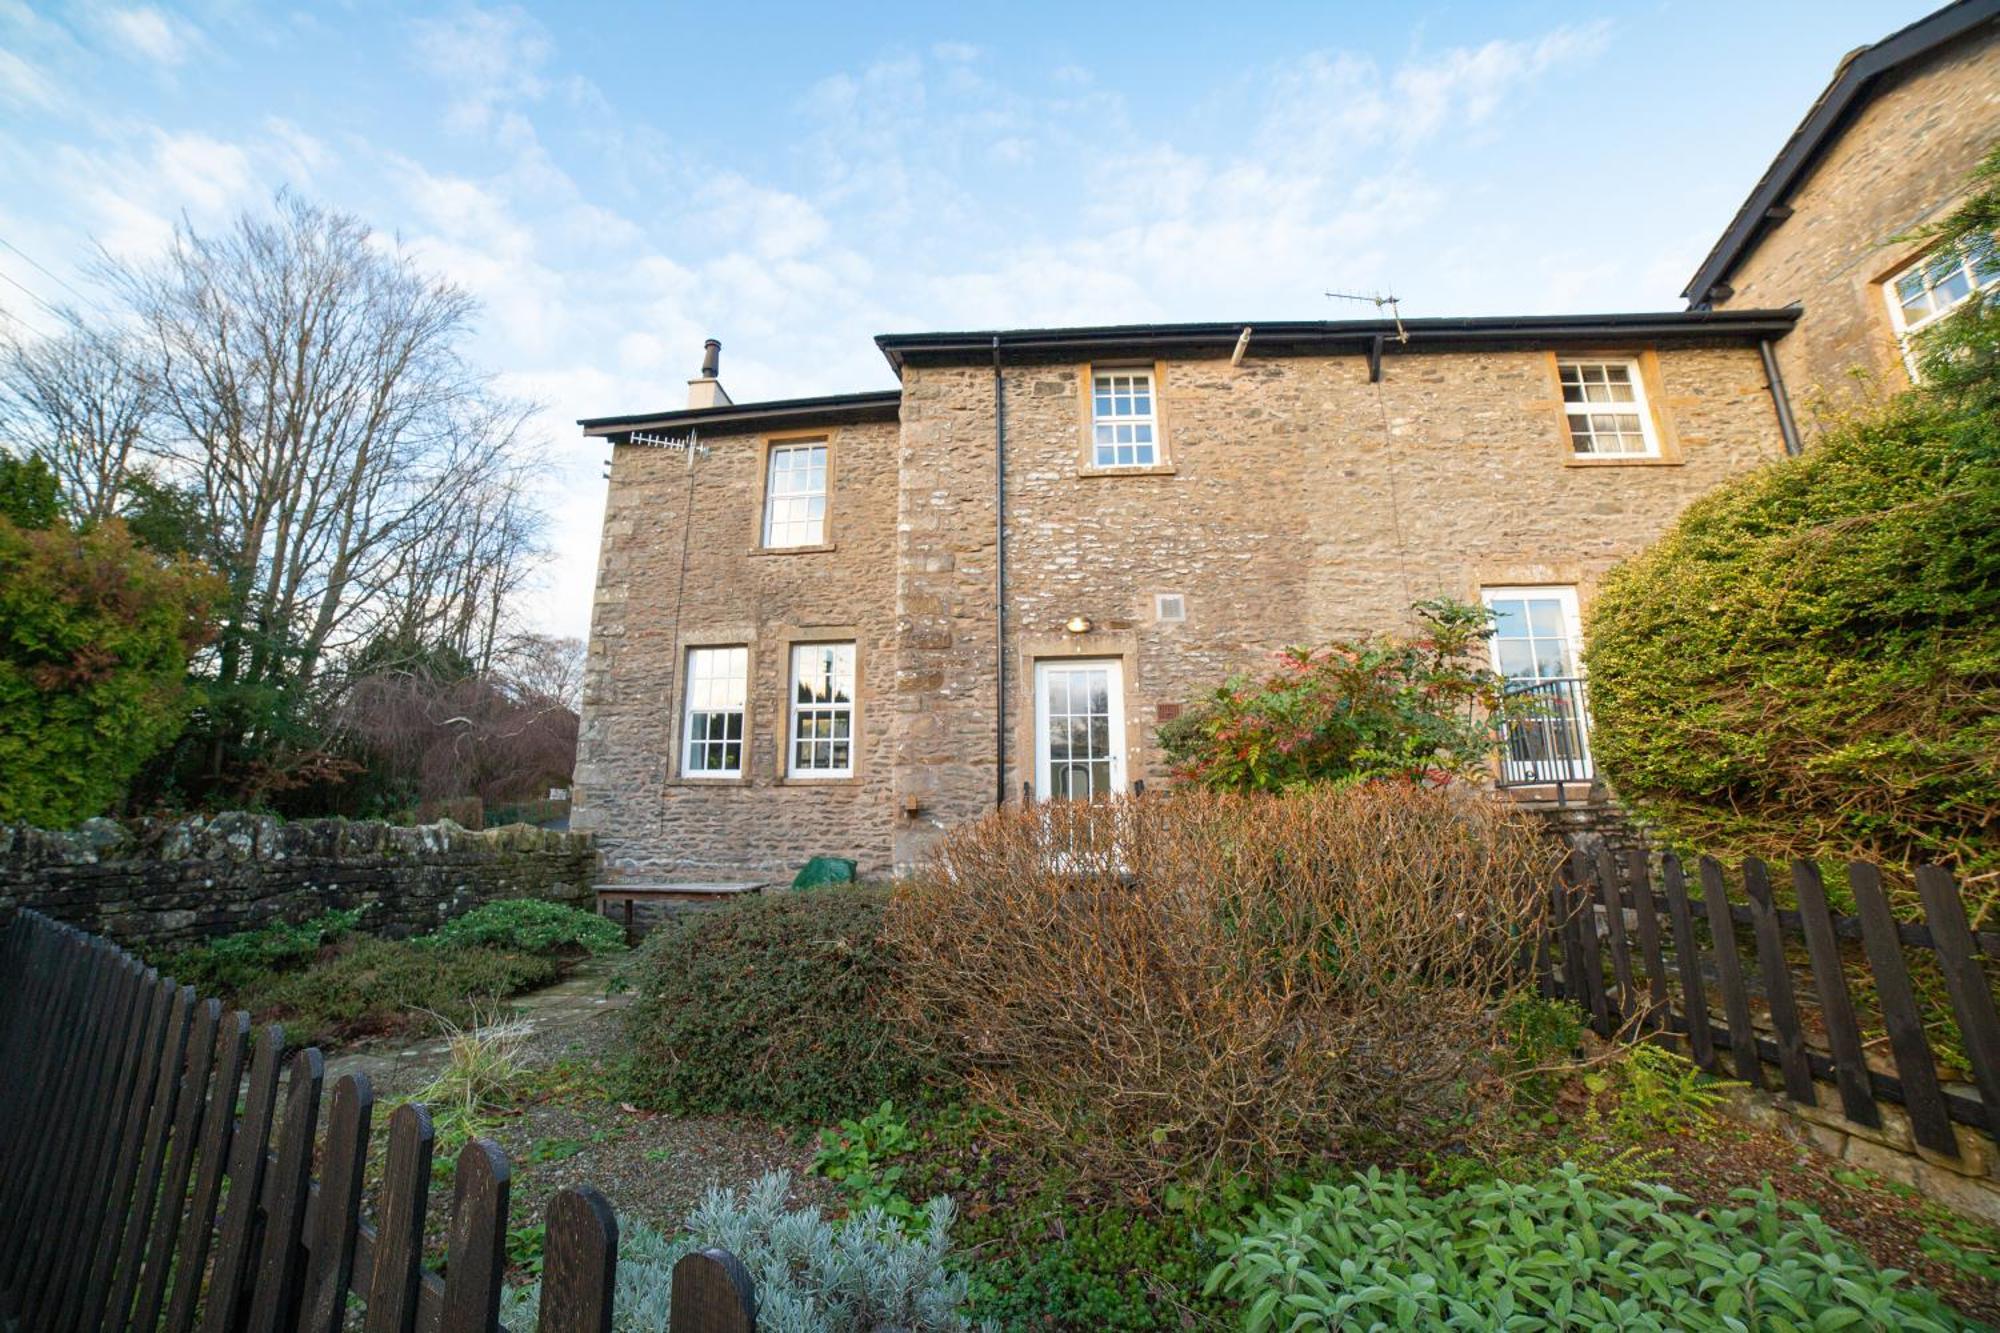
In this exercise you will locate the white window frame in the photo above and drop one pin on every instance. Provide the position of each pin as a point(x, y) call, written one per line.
point(1114, 669)
point(1581, 765)
point(1899, 319)
point(1639, 406)
point(1105, 388)
point(793, 531)
point(810, 655)
point(700, 682)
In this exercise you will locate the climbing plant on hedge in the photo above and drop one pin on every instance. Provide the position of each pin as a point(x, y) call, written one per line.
point(1809, 663)
point(95, 635)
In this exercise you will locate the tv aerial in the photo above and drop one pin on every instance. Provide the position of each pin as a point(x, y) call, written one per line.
point(1381, 303)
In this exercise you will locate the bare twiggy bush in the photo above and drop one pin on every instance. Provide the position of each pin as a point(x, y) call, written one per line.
point(1177, 986)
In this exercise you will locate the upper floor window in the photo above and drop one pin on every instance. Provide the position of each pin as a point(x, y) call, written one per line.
point(822, 727)
point(795, 495)
point(717, 687)
point(1605, 403)
point(1123, 423)
point(1938, 284)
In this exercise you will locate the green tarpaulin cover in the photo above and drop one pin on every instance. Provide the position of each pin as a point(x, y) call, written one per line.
point(825, 870)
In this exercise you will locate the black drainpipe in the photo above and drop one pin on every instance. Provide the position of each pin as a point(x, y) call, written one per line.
point(999, 581)
point(1779, 398)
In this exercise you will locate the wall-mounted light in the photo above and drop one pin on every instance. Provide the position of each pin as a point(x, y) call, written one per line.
point(1078, 625)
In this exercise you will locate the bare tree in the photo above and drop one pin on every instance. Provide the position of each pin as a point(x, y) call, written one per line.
point(456, 586)
point(542, 666)
point(314, 394)
point(83, 400)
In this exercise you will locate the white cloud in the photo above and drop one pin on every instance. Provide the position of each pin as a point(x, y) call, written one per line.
point(23, 86)
point(150, 34)
point(1468, 85)
point(489, 58)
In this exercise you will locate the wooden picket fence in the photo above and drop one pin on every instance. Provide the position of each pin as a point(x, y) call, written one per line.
point(1659, 978)
point(141, 1186)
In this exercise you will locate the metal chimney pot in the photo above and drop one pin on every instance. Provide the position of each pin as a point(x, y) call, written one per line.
point(711, 355)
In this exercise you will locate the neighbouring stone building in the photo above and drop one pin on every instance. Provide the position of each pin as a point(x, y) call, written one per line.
point(844, 624)
point(1886, 149)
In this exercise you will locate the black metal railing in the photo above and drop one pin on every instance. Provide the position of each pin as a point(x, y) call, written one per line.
point(1547, 735)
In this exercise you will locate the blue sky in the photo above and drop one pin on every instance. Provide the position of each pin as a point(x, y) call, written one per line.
point(618, 181)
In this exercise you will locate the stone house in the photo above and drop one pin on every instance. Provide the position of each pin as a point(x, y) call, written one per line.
point(1885, 149)
point(844, 624)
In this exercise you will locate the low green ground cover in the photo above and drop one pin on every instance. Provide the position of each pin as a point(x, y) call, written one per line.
point(328, 983)
point(1559, 1251)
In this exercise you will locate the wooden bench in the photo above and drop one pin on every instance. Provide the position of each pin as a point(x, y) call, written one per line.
point(631, 894)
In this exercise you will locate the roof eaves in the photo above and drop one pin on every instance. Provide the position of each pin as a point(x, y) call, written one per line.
point(831, 409)
point(899, 348)
point(1851, 82)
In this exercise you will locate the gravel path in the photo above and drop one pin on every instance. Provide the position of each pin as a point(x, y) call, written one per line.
point(572, 1130)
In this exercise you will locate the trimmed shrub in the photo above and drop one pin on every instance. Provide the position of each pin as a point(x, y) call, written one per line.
point(1193, 985)
point(1557, 1252)
point(532, 925)
point(777, 1006)
point(863, 1275)
point(1808, 664)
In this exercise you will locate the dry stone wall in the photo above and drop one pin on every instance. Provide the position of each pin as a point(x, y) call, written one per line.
point(157, 885)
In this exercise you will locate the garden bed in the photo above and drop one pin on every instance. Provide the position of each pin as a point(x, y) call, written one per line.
point(1044, 1251)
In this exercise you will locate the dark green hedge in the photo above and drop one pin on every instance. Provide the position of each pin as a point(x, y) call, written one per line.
point(777, 1007)
point(1809, 663)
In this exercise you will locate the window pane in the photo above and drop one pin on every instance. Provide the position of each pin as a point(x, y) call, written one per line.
point(795, 496)
point(1954, 287)
point(823, 690)
point(715, 690)
point(1985, 258)
point(1122, 421)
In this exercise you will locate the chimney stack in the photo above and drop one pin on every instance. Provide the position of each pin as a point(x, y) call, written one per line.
point(706, 390)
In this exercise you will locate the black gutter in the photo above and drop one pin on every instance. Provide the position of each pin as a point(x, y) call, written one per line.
point(1829, 115)
point(880, 405)
point(1320, 335)
point(1781, 400)
point(999, 582)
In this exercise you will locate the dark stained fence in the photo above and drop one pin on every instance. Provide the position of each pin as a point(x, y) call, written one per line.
point(1724, 976)
point(145, 1184)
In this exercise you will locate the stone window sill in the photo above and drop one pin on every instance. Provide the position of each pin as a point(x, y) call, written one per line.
point(1614, 460)
point(1155, 470)
point(822, 549)
point(836, 783)
point(742, 781)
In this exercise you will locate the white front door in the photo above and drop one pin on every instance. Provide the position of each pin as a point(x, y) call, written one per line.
point(1537, 649)
point(1079, 729)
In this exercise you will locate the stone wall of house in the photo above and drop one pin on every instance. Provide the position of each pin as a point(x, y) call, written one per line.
point(1299, 502)
point(1902, 162)
point(157, 885)
point(682, 566)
